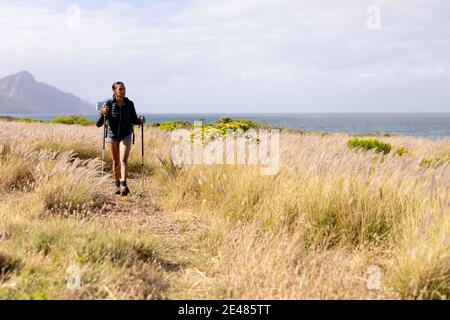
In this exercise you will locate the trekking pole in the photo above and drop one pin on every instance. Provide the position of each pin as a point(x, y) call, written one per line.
point(142, 144)
point(103, 151)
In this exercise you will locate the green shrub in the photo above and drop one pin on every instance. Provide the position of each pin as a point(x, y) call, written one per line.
point(245, 122)
point(233, 125)
point(217, 131)
point(210, 132)
point(73, 119)
point(369, 144)
point(224, 120)
point(221, 124)
point(7, 118)
point(435, 162)
point(371, 134)
point(173, 125)
point(29, 121)
point(401, 151)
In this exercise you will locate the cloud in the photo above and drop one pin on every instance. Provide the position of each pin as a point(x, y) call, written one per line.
point(237, 55)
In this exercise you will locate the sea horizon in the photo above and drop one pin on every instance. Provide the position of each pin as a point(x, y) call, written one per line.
point(434, 125)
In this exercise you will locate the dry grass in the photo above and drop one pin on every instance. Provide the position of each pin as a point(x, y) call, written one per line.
point(310, 232)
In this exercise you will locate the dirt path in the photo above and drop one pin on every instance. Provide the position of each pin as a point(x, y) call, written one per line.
point(142, 213)
point(120, 211)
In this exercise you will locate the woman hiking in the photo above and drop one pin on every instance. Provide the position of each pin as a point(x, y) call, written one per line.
point(120, 115)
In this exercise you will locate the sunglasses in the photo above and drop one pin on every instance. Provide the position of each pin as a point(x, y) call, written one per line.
point(121, 89)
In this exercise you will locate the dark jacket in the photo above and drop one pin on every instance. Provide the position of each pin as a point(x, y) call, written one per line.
point(120, 118)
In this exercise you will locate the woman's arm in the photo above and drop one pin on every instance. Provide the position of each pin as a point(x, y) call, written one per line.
point(133, 116)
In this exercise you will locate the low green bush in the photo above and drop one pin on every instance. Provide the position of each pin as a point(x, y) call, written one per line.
point(401, 151)
point(220, 130)
point(221, 124)
point(246, 122)
point(29, 121)
point(435, 162)
point(172, 125)
point(7, 118)
point(74, 119)
point(371, 134)
point(370, 144)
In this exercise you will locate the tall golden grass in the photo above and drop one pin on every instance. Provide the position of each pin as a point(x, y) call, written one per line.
point(312, 231)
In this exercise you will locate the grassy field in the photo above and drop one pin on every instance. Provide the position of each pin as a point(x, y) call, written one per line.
point(338, 209)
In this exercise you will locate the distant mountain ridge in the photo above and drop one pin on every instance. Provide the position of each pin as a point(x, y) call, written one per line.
point(21, 93)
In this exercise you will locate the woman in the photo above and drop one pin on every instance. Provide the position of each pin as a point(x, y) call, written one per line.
point(120, 115)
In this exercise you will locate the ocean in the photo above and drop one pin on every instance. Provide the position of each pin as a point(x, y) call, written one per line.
point(427, 125)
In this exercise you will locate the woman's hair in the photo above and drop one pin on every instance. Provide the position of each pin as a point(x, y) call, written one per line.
point(116, 85)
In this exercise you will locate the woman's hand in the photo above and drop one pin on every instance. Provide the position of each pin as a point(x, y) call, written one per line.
point(142, 118)
point(104, 110)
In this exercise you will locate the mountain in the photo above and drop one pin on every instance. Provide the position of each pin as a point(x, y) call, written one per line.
point(21, 93)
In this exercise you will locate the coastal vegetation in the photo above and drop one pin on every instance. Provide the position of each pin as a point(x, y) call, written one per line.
point(339, 208)
point(74, 119)
point(370, 144)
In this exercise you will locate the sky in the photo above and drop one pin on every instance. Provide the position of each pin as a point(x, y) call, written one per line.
point(228, 56)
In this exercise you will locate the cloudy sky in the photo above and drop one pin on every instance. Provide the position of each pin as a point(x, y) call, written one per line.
point(237, 55)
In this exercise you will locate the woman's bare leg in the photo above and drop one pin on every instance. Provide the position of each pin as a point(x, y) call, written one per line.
point(115, 156)
point(125, 147)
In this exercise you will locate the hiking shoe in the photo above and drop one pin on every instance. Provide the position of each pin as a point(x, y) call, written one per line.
point(124, 191)
point(117, 187)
